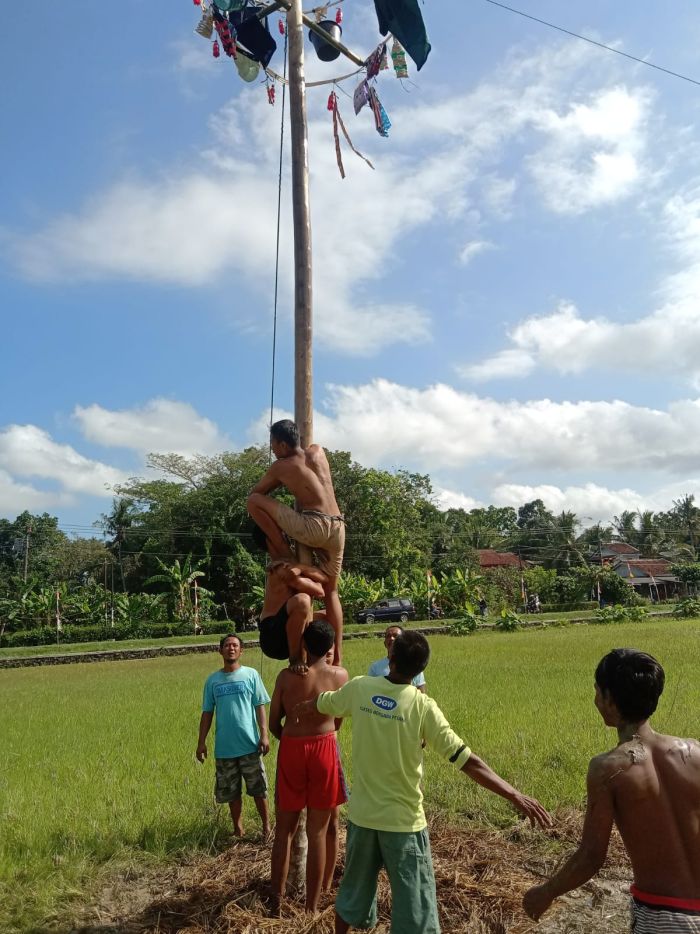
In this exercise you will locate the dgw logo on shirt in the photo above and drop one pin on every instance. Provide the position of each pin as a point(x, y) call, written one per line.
point(384, 703)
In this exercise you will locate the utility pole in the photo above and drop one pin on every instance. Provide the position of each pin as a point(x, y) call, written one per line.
point(26, 552)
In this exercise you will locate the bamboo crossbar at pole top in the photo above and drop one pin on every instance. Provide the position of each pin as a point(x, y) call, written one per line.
point(315, 27)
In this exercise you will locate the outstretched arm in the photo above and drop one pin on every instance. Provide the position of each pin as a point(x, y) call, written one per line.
point(590, 855)
point(484, 775)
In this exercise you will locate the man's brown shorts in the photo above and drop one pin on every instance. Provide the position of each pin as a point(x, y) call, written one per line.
point(325, 535)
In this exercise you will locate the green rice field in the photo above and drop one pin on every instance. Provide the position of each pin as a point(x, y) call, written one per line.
point(97, 766)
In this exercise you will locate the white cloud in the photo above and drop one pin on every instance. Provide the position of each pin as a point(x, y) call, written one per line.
point(159, 426)
point(440, 428)
point(472, 249)
point(592, 502)
point(192, 226)
point(452, 499)
point(667, 341)
point(594, 151)
point(28, 451)
point(16, 497)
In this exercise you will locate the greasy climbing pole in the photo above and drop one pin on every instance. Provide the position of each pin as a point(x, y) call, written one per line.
point(301, 209)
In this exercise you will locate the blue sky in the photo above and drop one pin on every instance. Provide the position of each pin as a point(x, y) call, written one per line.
point(508, 302)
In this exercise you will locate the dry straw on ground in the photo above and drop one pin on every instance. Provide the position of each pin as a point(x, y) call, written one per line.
point(481, 876)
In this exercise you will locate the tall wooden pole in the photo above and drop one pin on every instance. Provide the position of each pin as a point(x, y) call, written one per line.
point(303, 292)
point(303, 305)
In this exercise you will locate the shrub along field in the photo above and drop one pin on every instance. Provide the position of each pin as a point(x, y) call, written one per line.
point(98, 767)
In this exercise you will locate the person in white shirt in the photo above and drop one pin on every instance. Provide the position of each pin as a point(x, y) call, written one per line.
point(380, 668)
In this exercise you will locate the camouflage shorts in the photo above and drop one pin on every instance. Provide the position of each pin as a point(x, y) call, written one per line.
point(231, 772)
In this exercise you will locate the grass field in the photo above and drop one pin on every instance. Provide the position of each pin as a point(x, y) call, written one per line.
point(97, 763)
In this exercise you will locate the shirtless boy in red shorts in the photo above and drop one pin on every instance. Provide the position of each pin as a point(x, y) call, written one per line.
point(309, 774)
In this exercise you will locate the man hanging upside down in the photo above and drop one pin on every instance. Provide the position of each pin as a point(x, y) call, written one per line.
point(316, 525)
point(290, 589)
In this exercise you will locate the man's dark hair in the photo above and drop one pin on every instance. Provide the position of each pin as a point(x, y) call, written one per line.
point(410, 654)
point(393, 626)
point(634, 681)
point(231, 635)
point(319, 637)
point(259, 537)
point(286, 431)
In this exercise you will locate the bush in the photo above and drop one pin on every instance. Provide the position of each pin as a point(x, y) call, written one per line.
point(508, 621)
point(465, 625)
point(687, 608)
point(620, 614)
point(46, 635)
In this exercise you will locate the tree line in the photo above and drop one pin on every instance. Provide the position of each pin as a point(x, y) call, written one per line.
point(188, 523)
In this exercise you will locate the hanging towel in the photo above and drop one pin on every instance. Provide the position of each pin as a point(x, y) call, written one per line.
point(403, 19)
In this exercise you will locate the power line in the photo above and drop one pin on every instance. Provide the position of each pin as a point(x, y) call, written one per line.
point(601, 45)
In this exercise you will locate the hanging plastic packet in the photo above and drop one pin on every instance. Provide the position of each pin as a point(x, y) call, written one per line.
point(398, 58)
point(374, 62)
point(361, 96)
point(381, 118)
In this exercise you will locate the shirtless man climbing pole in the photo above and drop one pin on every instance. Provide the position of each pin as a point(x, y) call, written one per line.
point(649, 786)
point(316, 525)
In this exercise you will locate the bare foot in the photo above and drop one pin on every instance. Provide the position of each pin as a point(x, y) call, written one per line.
point(267, 835)
point(275, 906)
point(238, 830)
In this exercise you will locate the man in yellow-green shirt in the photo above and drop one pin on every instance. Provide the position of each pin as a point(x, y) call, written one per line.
point(386, 821)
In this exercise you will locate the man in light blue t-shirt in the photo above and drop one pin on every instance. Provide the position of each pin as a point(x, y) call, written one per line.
point(380, 668)
point(238, 696)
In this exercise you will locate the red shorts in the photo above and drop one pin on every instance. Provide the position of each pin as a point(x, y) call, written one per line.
point(309, 773)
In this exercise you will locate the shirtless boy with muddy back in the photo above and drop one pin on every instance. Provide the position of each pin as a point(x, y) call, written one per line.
point(649, 786)
point(309, 774)
point(316, 525)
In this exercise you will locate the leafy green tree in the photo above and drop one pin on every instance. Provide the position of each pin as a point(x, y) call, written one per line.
point(689, 574)
point(532, 529)
point(179, 579)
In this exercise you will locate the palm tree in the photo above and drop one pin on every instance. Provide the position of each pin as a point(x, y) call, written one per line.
point(689, 517)
point(179, 578)
point(626, 526)
point(116, 524)
point(564, 549)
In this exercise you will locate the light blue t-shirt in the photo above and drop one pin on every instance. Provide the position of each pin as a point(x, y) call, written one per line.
point(380, 669)
point(234, 695)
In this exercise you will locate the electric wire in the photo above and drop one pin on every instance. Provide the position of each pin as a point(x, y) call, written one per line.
point(601, 45)
point(277, 245)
